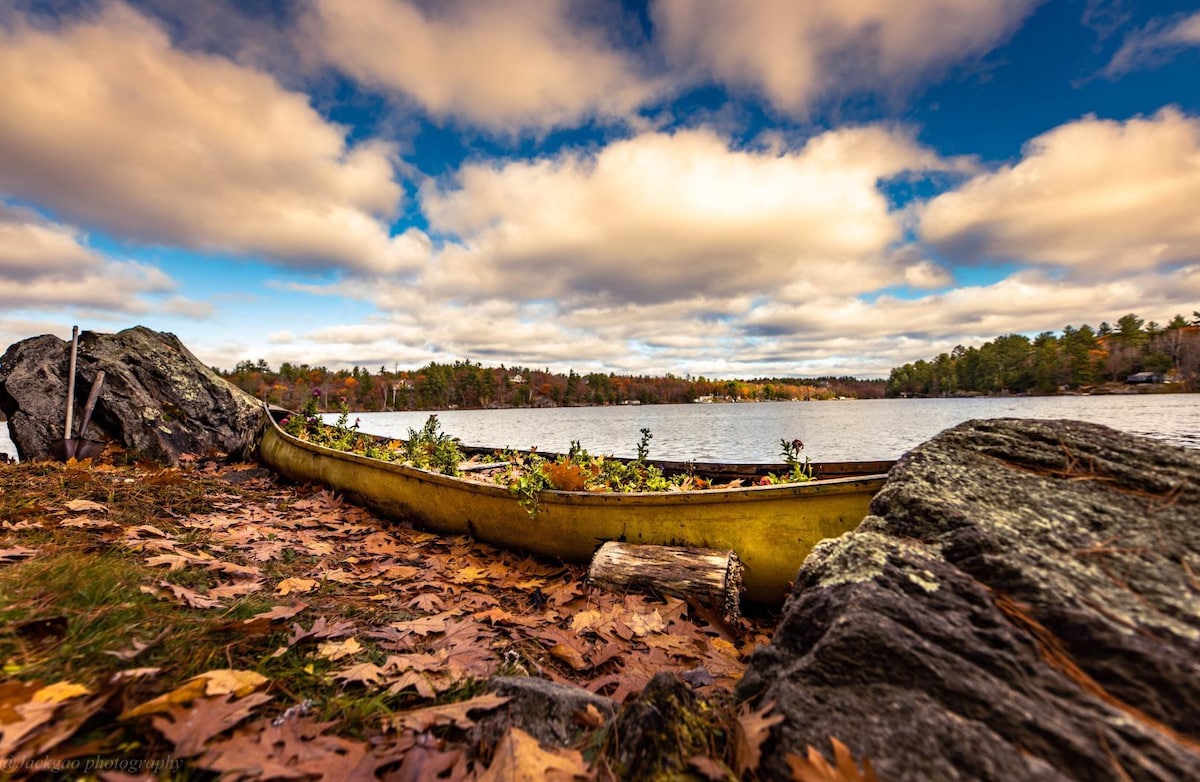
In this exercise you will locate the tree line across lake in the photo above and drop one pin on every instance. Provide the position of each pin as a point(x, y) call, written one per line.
point(1078, 359)
point(464, 384)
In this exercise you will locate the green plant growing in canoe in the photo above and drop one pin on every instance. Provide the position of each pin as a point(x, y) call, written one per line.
point(434, 450)
point(528, 474)
point(797, 471)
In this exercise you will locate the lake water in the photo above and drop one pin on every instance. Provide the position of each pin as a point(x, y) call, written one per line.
point(831, 431)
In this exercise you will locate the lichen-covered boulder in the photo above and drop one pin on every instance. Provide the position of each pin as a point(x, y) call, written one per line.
point(1024, 603)
point(157, 399)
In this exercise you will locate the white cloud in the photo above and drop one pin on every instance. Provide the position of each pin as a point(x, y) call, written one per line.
point(660, 217)
point(1154, 44)
point(1097, 197)
point(106, 124)
point(503, 65)
point(44, 265)
point(795, 53)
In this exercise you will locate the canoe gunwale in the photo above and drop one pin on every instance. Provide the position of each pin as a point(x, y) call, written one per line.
point(557, 496)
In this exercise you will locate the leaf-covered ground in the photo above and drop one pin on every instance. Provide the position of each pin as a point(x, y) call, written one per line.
point(211, 620)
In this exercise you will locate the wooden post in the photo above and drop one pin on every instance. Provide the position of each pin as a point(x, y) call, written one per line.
point(712, 577)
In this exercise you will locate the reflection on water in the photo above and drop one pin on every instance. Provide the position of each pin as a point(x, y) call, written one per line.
point(832, 431)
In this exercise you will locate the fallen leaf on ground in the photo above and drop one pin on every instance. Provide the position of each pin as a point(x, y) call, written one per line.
point(815, 768)
point(362, 673)
point(421, 720)
point(336, 650)
point(190, 728)
point(222, 681)
point(85, 505)
point(295, 585)
point(228, 680)
point(520, 758)
point(88, 522)
point(59, 692)
point(165, 590)
point(750, 731)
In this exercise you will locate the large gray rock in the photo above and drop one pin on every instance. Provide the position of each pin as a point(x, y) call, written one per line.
point(1024, 603)
point(157, 399)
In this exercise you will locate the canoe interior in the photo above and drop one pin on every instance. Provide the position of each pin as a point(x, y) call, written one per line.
point(772, 528)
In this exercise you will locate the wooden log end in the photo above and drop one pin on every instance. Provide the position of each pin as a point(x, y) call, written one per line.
point(710, 576)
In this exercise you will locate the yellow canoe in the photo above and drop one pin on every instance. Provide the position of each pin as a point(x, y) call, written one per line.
point(772, 528)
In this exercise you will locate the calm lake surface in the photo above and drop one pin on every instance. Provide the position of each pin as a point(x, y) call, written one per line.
point(831, 431)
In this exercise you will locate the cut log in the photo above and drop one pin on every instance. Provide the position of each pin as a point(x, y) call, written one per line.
point(712, 577)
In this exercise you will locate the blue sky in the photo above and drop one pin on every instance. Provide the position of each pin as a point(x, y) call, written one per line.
point(758, 188)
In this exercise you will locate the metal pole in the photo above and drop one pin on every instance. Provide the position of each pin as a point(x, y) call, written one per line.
point(71, 382)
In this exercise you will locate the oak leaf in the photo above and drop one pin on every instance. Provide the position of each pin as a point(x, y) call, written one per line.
point(423, 684)
point(365, 673)
point(227, 680)
point(457, 714)
point(80, 506)
point(295, 585)
point(426, 601)
point(165, 590)
point(751, 729)
point(224, 590)
point(59, 692)
point(18, 552)
point(190, 728)
point(336, 650)
point(89, 522)
point(520, 758)
point(265, 618)
point(816, 768)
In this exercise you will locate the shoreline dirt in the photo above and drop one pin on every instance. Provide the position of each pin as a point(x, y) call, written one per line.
point(213, 617)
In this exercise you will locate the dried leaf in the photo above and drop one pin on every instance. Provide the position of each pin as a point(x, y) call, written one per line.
point(750, 731)
point(815, 768)
point(336, 650)
point(421, 720)
point(641, 624)
point(186, 694)
point(710, 769)
point(13, 554)
point(189, 729)
point(366, 673)
point(295, 585)
point(80, 506)
point(88, 522)
point(28, 717)
point(59, 692)
point(165, 590)
point(241, 589)
point(520, 758)
point(227, 680)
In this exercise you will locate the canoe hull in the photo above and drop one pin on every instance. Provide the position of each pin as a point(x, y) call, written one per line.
point(772, 528)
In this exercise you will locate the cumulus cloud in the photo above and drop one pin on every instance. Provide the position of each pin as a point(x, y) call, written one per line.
point(890, 331)
point(796, 53)
point(1097, 197)
point(1155, 44)
point(661, 216)
point(502, 65)
point(105, 123)
point(44, 265)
